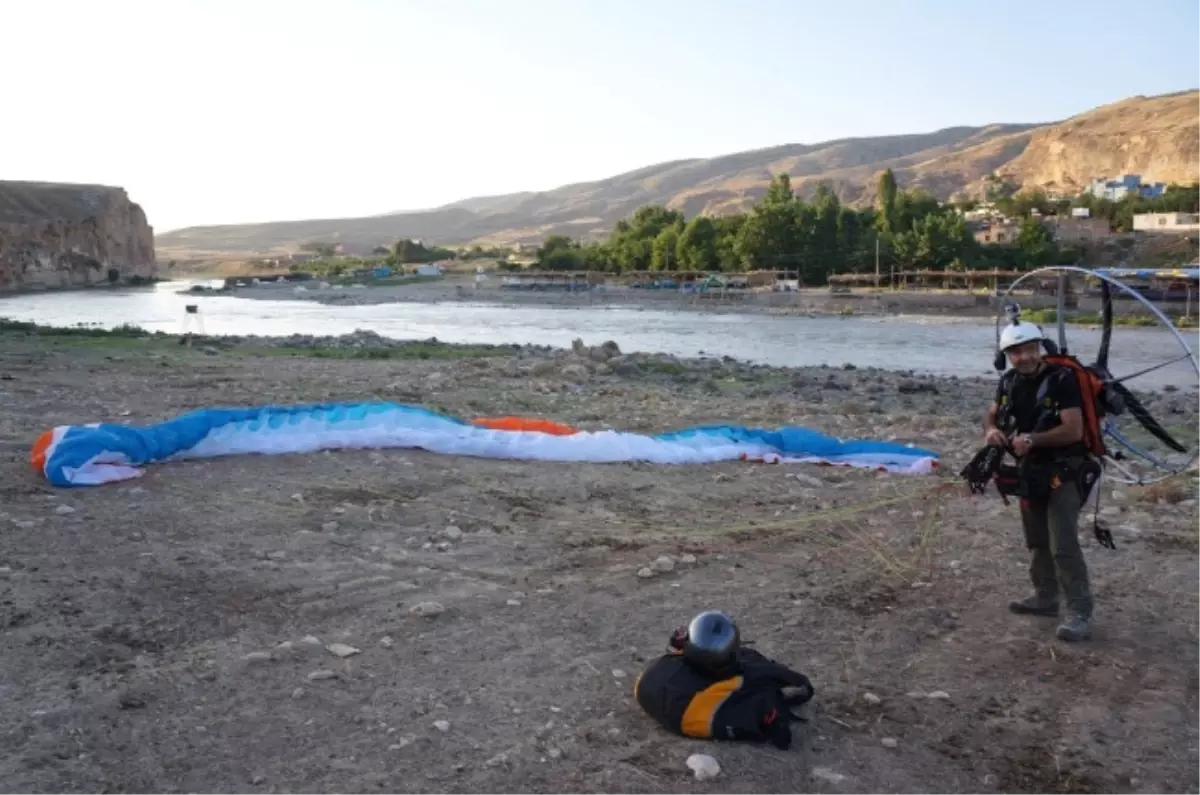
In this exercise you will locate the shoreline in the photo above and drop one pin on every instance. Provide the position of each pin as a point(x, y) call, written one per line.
point(370, 345)
point(811, 303)
point(42, 289)
point(944, 307)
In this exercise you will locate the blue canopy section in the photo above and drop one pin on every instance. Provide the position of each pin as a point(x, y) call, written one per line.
point(1190, 274)
point(794, 441)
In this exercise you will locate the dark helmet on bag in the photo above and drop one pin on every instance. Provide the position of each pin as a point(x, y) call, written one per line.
point(712, 641)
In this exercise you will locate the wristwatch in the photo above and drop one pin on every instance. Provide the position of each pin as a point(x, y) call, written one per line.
point(1028, 438)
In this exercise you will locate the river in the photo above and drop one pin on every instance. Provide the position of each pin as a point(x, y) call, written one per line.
point(925, 345)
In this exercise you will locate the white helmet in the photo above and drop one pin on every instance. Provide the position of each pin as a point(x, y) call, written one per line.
point(1015, 334)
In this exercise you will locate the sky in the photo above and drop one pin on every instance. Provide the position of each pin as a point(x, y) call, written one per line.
point(214, 112)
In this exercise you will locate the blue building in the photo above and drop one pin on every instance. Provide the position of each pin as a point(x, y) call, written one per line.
point(1124, 185)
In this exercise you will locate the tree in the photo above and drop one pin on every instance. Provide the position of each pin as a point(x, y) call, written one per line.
point(404, 251)
point(1023, 204)
point(885, 202)
point(321, 249)
point(696, 249)
point(779, 192)
point(912, 206)
point(662, 255)
point(1035, 243)
point(996, 188)
point(599, 257)
point(632, 241)
point(825, 241)
point(729, 230)
point(768, 237)
point(934, 242)
point(964, 203)
point(559, 253)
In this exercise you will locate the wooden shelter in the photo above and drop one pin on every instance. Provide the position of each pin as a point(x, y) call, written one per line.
point(681, 279)
point(927, 279)
point(551, 280)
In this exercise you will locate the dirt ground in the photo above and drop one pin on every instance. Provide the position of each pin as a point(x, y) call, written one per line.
point(158, 635)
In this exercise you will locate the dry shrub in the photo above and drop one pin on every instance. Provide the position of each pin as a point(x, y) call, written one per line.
point(1172, 490)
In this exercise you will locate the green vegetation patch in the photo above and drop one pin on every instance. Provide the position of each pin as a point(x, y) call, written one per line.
point(1047, 316)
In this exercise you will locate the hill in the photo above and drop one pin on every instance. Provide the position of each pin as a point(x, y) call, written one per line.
point(1157, 137)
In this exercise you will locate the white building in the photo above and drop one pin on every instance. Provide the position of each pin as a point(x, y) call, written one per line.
point(1166, 222)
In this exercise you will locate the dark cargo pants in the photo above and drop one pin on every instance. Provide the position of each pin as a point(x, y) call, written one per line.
point(1052, 531)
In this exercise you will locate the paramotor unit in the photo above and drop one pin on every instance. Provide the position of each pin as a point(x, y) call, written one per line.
point(1139, 448)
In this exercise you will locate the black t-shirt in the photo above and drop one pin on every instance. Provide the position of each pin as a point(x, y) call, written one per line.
point(1047, 393)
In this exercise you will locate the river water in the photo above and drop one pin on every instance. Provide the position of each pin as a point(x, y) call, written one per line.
point(925, 345)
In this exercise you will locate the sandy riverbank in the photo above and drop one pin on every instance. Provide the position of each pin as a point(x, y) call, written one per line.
point(154, 631)
point(805, 302)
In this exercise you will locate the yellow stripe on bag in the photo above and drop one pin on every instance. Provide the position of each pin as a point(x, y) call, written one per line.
point(698, 717)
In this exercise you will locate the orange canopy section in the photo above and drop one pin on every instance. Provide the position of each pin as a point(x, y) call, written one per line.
point(524, 424)
point(37, 456)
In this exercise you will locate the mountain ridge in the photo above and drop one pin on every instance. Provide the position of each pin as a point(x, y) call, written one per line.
point(1157, 136)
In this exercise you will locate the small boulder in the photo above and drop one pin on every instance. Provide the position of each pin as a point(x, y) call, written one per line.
point(427, 609)
point(576, 372)
point(663, 563)
point(703, 766)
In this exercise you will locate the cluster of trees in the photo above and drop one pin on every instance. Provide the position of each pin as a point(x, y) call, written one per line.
point(479, 252)
point(336, 267)
point(817, 238)
point(320, 248)
point(906, 229)
point(402, 252)
point(407, 251)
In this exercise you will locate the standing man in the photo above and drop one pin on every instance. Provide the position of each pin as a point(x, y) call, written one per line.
point(1038, 406)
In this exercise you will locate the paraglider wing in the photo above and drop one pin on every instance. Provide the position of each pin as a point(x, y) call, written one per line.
point(80, 455)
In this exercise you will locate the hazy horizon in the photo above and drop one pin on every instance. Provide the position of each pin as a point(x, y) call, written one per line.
point(212, 113)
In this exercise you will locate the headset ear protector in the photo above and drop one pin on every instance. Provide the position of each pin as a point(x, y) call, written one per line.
point(1000, 361)
point(1012, 311)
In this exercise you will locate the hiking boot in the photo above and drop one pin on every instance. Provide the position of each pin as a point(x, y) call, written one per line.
point(1036, 606)
point(1075, 628)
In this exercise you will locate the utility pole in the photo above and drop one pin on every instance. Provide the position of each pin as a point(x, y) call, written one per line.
point(876, 262)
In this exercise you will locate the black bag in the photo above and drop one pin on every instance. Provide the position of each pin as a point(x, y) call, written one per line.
point(751, 701)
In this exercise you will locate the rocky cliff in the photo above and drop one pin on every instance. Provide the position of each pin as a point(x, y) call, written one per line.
point(61, 235)
point(1156, 137)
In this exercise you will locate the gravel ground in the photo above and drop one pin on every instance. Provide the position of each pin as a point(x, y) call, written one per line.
point(402, 621)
